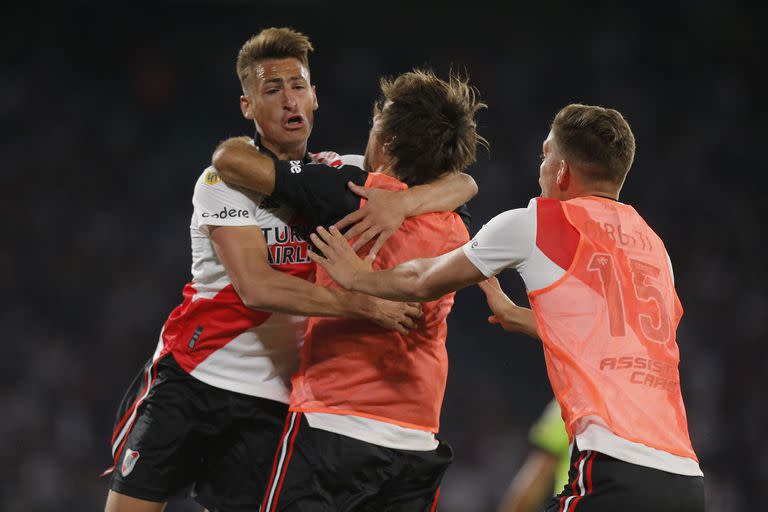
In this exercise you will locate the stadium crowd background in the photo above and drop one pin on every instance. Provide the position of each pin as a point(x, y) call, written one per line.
point(109, 117)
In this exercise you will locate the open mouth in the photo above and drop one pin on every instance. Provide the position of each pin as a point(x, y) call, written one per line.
point(293, 122)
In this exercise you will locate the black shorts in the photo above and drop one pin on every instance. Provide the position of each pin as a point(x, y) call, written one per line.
point(176, 436)
point(319, 471)
point(598, 482)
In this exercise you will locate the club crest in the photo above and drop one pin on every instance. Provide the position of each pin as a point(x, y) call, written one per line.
point(129, 461)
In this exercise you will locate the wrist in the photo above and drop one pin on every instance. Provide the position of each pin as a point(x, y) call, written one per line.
point(410, 201)
point(361, 306)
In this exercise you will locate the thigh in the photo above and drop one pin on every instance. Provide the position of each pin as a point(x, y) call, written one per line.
point(238, 462)
point(157, 445)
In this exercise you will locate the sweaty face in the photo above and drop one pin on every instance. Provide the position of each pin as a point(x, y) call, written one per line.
point(282, 102)
point(550, 165)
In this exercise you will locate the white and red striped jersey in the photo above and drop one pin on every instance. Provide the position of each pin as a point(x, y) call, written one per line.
point(540, 244)
point(212, 334)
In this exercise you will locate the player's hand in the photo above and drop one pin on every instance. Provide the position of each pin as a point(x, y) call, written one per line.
point(396, 316)
point(381, 215)
point(506, 313)
point(339, 260)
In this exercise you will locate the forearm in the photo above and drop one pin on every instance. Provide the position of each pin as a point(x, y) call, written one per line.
point(522, 320)
point(442, 195)
point(283, 293)
point(239, 163)
point(415, 280)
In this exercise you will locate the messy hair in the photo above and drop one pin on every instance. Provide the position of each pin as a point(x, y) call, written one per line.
point(428, 124)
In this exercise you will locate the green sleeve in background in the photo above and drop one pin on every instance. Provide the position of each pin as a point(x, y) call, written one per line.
point(548, 434)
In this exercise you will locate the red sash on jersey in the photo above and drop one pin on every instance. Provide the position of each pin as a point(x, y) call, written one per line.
point(354, 367)
point(608, 327)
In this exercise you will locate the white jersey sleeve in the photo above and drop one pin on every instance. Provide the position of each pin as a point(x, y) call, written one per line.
point(218, 204)
point(506, 241)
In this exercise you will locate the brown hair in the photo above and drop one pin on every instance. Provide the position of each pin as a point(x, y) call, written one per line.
point(428, 124)
point(272, 43)
point(597, 137)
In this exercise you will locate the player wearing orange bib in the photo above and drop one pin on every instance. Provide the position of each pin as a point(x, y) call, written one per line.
point(365, 404)
point(602, 295)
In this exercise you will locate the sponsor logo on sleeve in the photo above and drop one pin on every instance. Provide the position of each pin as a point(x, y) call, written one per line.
point(474, 244)
point(212, 178)
point(129, 462)
point(227, 213)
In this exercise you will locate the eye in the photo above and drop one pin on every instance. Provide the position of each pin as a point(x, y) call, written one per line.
point(272, 91)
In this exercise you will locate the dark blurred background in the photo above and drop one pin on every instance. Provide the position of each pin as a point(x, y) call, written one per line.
point(110, 112)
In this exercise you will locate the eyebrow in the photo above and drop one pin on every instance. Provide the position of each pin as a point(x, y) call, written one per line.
point(280, 80)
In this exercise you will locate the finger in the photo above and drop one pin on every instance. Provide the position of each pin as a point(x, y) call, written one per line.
point(351, 218)
point(408, 322)
point(324, 234)
point(383, 237)
point(493, 320)
point(401, 329)
point(365, 238)
point(357, 189)
point(317, 258)
point(317, 242)
point(413, 312)
point(358, 228)
point(338, 238)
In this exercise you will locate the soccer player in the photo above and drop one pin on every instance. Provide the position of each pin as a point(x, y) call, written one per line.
point(209, 406)
point(601, 289)
point(365, 403)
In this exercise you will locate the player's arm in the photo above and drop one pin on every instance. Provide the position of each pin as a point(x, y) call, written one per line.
point(243, 252)
point(240, 163)
point(532, 483)
point(385, 210)
point(506, 241)
point(507, 314)
point(422, 279)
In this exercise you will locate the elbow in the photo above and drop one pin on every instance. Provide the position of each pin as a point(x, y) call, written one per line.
point(222, 162)
point(256, 298)
point(472, 187)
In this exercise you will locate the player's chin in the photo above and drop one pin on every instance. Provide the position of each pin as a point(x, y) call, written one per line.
point(294, 136)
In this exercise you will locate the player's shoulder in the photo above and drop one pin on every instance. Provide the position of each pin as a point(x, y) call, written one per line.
point(210, 182)
point(210, 177)
point(518, 216)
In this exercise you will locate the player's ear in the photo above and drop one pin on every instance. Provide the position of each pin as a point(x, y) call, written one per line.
point(315, 104)
point(245, 107)
point(563, 178)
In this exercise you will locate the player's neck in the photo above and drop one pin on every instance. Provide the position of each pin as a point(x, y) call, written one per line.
point(610, 192)
point(296, 152)
point(388, 170)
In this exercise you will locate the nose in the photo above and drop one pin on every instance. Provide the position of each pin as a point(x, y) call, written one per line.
point(289, 99)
